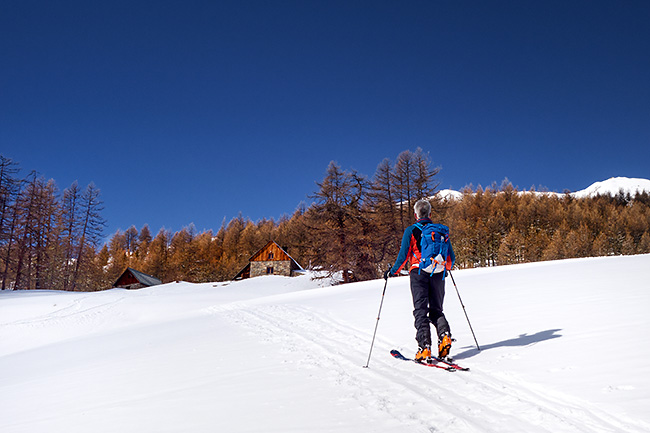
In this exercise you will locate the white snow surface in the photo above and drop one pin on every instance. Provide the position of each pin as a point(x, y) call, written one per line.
point(449, 194)
point(563, 349)
point(611, 186)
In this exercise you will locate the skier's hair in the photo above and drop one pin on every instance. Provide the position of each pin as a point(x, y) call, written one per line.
point(422, 208)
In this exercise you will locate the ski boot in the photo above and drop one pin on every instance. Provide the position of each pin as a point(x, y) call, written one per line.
point(424, 355)
point(444, 345)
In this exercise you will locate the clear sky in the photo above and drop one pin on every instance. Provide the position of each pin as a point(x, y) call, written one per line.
point(193, 111)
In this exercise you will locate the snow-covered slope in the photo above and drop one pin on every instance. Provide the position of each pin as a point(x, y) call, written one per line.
point(563, 344)
point(610, 186)
point(613, 185)
point(449, 194)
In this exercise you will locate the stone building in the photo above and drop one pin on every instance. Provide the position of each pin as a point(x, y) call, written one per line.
point(270, 260)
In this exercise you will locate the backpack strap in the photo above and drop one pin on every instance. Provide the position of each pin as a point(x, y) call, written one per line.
point(421, 227)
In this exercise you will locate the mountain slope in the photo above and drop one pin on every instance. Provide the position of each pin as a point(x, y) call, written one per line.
point(563, 350)
point(610, 186)
point(613, 185)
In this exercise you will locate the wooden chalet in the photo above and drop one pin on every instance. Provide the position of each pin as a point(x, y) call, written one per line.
point(270, 260)
point(133, 279)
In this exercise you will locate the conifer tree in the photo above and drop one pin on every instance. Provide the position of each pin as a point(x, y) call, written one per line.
point(45, 234)
point(70, 223)
point(424, 182)
point(9, 193)
point(157, 260)
point(182, 255)
point(336, 222)
point(644, 244)
point(131, 242)
point(118, 260)
point(384, 213)
point(102, 278)
point(628, 246)
point(233, 258)
point(404, 174)
point(511, 249)
point(91, 229)
point(144, 241)
point(600, 246)
point(28, 205)
point(556, 249)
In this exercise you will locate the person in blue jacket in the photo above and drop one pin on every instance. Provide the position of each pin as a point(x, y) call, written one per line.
point(428, 289)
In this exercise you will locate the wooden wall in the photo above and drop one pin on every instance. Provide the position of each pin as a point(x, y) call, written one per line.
point(270, 248)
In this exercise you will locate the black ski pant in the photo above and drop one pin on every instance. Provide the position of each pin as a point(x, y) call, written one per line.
point(428, 294)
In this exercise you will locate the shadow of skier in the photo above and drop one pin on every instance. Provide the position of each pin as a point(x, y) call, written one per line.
point(522, 340)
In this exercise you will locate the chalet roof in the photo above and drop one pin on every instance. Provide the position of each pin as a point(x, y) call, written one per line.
point(260, 251)
point(145, 279)
point(279, 247)
point(240, 273)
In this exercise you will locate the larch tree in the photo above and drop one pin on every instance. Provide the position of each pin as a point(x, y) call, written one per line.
point(144, 241)
point(404, 173)
point(424, 183)
point(384, 212)
point(28, 206)
point(91, 229)
point(70, 224)
point(327, 221)
point(9, 211)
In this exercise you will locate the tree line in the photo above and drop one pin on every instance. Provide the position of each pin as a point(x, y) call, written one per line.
point(352, 230)
point(500, 226)
point(48, 240)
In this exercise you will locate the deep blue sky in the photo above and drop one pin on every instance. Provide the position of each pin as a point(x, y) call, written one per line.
point(194, 111)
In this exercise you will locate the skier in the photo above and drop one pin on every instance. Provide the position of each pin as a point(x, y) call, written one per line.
point(428, 289)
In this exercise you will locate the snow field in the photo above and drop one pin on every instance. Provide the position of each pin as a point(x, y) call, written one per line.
point(275, 354)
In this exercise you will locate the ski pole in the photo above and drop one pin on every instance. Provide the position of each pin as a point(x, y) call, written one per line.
point(464, 311)
point(376, 324)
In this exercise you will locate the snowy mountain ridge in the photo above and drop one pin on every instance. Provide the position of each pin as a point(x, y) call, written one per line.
point(611, 186)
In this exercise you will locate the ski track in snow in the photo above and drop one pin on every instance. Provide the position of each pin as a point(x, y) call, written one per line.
point(422, 400)
point(74, 313)
point(68, 321)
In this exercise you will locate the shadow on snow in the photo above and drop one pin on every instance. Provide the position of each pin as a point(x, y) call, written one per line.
point(522, 340)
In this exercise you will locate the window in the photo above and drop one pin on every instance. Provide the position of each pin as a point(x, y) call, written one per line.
point(270, 256)
point(269, 270)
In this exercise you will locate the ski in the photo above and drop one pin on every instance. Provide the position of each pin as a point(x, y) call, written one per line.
point(450, 363)
point(439, 363)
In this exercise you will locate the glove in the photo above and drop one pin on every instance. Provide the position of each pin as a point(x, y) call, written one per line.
point(387, 274)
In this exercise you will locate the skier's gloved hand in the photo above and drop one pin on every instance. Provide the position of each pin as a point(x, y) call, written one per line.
point(387, 274)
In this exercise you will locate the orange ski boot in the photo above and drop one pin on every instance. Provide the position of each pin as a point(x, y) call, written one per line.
point(444, 346)
point(424, 355)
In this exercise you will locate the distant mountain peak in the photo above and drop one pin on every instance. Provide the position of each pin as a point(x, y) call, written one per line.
point(613, 186)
